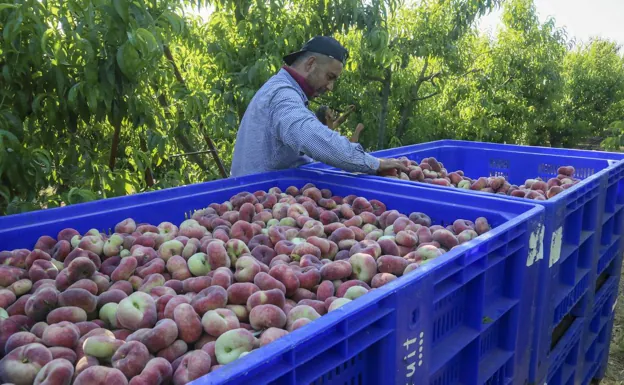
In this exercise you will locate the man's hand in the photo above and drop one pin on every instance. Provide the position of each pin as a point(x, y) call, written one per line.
point(386, 165)
point(359, 128)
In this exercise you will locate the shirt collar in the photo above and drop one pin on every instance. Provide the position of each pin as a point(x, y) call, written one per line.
point(301, 81)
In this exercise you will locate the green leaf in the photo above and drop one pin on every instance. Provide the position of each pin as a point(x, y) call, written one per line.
point(174, 20)
point(121, 7)
point(72, 96)
point(7, 6)
point(128, 60)
point(148, 40)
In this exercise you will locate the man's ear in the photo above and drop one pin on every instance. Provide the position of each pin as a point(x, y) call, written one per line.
point(310, 63)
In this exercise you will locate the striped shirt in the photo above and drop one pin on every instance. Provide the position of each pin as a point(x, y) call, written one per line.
point(278, 131)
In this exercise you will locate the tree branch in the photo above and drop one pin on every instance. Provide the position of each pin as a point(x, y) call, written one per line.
point(428, 96)
point(180, 79)
point(374, 78)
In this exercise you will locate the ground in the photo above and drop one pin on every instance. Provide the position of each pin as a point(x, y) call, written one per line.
point(615, 370)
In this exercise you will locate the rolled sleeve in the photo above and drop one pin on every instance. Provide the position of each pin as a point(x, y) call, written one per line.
point(300, 130)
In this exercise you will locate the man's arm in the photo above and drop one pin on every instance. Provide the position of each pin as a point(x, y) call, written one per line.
point(299, 129)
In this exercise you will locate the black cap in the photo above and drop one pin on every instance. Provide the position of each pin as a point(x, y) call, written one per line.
point(324, 45)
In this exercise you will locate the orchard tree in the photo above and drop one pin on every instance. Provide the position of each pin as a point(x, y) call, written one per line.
point(593, 91)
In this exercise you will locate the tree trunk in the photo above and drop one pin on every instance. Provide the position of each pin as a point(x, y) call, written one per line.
point(385, 97)
point(149, 179)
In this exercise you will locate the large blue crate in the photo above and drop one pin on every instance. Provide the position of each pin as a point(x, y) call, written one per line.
point(599, 320)
point(583, 224)
point(460, 319)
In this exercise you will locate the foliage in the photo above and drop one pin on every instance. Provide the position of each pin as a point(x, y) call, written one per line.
point(99, 97)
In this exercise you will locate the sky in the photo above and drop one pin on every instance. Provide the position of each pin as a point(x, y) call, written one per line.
point(582, 19)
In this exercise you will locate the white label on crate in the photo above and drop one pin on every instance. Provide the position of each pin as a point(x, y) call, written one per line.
point(555, 246)
point(536, 246)
point(413, 347)
point(614, 305)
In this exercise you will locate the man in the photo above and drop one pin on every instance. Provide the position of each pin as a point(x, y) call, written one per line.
point(278, 131)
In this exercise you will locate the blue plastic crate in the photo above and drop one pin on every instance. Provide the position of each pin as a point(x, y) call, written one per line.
point(461, 318)
point(599, 321)
point(582, 224)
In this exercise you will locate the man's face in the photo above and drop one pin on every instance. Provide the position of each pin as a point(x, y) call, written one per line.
point(322, 73)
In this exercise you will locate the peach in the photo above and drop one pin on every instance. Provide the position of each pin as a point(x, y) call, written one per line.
point(325, 290)
point(164, 334)
point(18, 307)
point(20, 339)
point(122, 334)
point(42, 269)
point(21, 365)
point(222, 277)
point(100, 375)
point(467, 235)
point(301, 311)
point(64, 353)
point(85, 327)
point(111, 296)
point(246, 269)
point(302, 294)
point(216, 322)
point(271, 296)
point(267, 316)
point(355, 292)
point(445, 238)
point(194, 365)
point(192, 229)
point(178, 268)
point(38, 329)
point(155, 266)
point(481, 226)
point(174, 351)
point(154, 281)
point(231, 344)
point(345, 286)
point(101, 346)
point(286, 276)
point(79, 298)
point(131, 358)
point(124, 286)
point(63, 334)
point(341, 234)
point(60, 251)
point(265, 281)
point(79, 268)
point(308, 277)
point(158, 371)
point(391, 264)
point(7, 298)
point(339, 302)
point(369, 247)
point(336, 270)
point(127, 226)
point(188, 322)
point(239, 293)
point(213, 297)
point(143, 254)
point(84, 363)
point(382, 279)
point(137, 311)
point(41, 303)
point(175, 284)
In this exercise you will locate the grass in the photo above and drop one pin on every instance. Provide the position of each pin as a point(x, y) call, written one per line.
point(615, 370)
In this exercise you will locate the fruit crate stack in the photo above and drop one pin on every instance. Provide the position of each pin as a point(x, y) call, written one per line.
point(292, 277)
point(583, 195)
